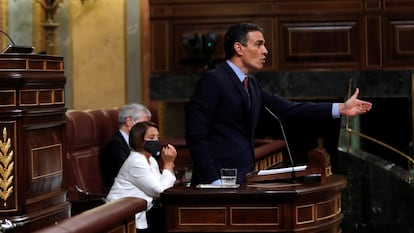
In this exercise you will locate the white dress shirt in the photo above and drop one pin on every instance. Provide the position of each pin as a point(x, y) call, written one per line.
point(140, 178)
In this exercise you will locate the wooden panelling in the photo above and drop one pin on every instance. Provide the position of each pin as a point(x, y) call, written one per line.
point(305, 214)
point(160, 37)
point(399, 5)
point(205, 10)
point(319, 44)
point(15, 64)
point(399, 42)
point(373, 42)
point(32, 119)
point(7, 98)
point(46, 161)
point(202, 216)
point(300, 34)
point(29, 63)
point(310, 7)
point(373, 5)
point(249, 216)
point(275, 207)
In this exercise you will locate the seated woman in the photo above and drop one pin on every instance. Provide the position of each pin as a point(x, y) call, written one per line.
point(140, 175)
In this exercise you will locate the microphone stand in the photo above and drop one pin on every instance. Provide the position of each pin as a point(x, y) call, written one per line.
point(286, 142)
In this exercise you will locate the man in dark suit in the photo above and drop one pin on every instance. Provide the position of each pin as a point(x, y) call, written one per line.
point(117, 148)
point(223, 111)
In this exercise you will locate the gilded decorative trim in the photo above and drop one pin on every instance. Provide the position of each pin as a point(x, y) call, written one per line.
point(46, 97)
point(40, 97)
point(334, 213)
point(6, 168)
point(59, 96)
point(311, 220)
point(8, 98)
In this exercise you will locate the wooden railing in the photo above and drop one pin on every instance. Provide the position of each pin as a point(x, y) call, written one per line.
point(117, 216)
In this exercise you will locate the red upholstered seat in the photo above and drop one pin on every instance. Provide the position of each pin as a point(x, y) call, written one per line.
point(86, 134)
point(83, 155)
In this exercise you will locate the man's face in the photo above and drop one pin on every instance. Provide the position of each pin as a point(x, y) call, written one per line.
point(254, 53)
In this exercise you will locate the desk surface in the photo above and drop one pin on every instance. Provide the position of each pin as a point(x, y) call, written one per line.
point(306, 206)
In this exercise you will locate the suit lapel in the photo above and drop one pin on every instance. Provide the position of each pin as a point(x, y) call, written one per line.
point(239, 85)
point(249, 110)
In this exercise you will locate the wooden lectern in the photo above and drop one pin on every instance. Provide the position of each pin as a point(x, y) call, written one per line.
point(309, 206)
point(319, 164)
point(32, 140)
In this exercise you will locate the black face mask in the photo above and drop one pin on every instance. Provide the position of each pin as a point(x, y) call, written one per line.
point(153, 147)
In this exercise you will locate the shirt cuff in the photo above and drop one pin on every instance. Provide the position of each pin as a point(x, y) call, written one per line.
point(335, 110)
point(216, 182)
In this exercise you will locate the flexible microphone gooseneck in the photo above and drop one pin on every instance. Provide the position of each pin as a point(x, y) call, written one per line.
point(13, 48)
point(286, 142)
point(10, 39)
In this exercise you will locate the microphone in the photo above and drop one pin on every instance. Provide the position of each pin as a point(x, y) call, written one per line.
point(286, 142)
point(7, 35)
point(12, 48)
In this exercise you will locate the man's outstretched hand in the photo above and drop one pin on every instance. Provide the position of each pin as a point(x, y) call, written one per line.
point(354, 106)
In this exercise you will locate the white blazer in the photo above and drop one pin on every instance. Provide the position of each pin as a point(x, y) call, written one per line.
point(138, 178)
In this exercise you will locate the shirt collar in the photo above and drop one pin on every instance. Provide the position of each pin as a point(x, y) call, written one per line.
point(236, 70)
point(125, 136)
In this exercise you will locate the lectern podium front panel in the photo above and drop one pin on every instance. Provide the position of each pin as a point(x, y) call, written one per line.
point(307, 207)
point(32, 140)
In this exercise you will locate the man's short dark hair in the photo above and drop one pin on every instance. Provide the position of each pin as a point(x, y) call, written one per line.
point(238, 33)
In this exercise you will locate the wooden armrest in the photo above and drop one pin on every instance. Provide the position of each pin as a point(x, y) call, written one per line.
point(100, 219)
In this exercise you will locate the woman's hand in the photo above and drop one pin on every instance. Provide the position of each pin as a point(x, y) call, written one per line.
point(168, 155)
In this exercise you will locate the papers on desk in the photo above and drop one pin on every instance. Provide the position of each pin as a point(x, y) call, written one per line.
point(281, 170)
point(211, 186)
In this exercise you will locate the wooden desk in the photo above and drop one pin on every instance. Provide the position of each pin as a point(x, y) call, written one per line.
point(307, 206)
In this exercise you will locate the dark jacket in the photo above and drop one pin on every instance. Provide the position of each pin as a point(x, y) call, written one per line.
point(112, 156)
point(220, 125)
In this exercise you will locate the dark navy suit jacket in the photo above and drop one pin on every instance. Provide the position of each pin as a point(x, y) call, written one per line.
point(112, 156)
point(220, 125)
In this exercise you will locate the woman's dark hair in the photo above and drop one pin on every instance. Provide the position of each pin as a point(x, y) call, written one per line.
point(137, 134)
point(238, 33)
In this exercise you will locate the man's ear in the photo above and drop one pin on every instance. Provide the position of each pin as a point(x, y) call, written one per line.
point(238, 48)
